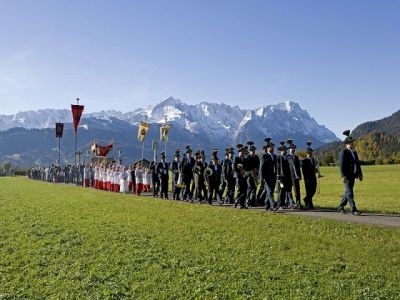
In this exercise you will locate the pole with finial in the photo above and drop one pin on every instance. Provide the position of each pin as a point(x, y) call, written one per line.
point(165, 143)
point(76, 134)
point(145, 118)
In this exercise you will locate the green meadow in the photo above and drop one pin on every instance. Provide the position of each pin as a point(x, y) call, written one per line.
point(66, 242)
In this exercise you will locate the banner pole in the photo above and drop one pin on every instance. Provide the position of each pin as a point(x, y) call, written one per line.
point(59, 152)
point(142, 152)
point(76, 140)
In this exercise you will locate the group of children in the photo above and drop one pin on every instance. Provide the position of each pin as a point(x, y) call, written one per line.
point(117, 178)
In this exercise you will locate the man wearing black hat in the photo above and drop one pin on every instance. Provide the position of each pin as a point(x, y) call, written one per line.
point(309, 168)
point(186, 168)
point(229, 176)
point(285, 178)
point(240, 166)
point(294, 163)
point(350, 169)
point(268, 172)
point(175, 175)
point(163, 174)
point(253, 163)
point(214, 180)
point(199, 168)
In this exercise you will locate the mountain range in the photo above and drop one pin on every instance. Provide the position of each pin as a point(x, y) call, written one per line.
point(378, 142)
point(28, 138)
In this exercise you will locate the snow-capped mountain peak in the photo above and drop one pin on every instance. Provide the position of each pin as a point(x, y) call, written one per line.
point(216, 121)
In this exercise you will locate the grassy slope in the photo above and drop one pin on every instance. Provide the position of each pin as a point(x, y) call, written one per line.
point(62, 241)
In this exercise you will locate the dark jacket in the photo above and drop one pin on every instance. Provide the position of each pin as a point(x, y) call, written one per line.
point(186, 167)
point(162, 170)
point(349, 165)
point(309, 168)
point(268, 166)
point(227, 168)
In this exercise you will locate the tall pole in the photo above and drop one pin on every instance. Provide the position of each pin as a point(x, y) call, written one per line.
point(59, 152)
point(76, 134)
point(165, 143)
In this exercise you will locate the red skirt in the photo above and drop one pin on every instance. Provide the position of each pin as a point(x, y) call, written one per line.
point(139, 188)
point(86, 182)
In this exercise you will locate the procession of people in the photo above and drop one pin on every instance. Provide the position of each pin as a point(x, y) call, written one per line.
point(243, 177)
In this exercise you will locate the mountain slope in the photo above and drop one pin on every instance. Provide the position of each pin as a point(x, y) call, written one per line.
point(389, 125)
point(203, 126)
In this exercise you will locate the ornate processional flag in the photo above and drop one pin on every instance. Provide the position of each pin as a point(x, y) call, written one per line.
point(59, 130)
point(164, 131)
point(76, 115)
point(143, 128)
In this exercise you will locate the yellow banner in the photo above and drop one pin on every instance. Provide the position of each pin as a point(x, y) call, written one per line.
point(164, 131)
point(143, 128)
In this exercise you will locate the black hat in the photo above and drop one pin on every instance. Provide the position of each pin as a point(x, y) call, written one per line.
point(197, 153)
point(230, 150)
point(282, 147)
point(202, 153)
point(309, 149)
point(291, 144)
point(163, 154)
point(348, 138)
point(250, 143)
point(240, 147)
point(188, 150)
point(253, 148)
point(177, 152)
point(268, 143)
point(214, 155)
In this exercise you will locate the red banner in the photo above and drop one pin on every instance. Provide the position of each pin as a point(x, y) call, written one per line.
point(103, 150)
point(76, 115)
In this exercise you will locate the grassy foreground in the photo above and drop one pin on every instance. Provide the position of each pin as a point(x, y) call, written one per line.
point(67, 242)
point(378, 192)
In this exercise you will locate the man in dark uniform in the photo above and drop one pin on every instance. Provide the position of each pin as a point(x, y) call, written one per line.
point(175, 175)
point(350, 169)
point(267, 173)
point(309, 168)
point(285, 178)
point(154, 178)
point(214, 180)
point(199, 168)
point(186, 168)
point(296, 171)
point(240, 166)
point(222, 187)
point(163, 174)
point(253, 163)
point(229, 176)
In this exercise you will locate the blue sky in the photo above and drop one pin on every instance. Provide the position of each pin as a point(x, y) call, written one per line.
point(340, 60)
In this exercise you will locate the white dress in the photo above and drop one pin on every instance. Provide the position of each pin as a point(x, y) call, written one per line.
point(123, 182)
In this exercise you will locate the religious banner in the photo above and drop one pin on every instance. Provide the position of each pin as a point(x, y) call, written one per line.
point(59, 130)
point(143, 128)
point(76, 115)
point(164, 131)
point(101, 150)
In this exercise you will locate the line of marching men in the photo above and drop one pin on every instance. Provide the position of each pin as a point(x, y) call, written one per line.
point(245, 179)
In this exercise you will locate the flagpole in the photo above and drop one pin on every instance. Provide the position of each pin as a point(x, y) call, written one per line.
point(59, 152)
point(76, 133)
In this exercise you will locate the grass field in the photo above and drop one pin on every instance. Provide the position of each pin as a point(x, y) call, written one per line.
point(378, 192)
point(61, 241)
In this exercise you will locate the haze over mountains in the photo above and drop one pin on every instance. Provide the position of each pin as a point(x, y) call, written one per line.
point(28, 138)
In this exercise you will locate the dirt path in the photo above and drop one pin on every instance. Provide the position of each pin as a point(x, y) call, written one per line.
point(366, 218)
